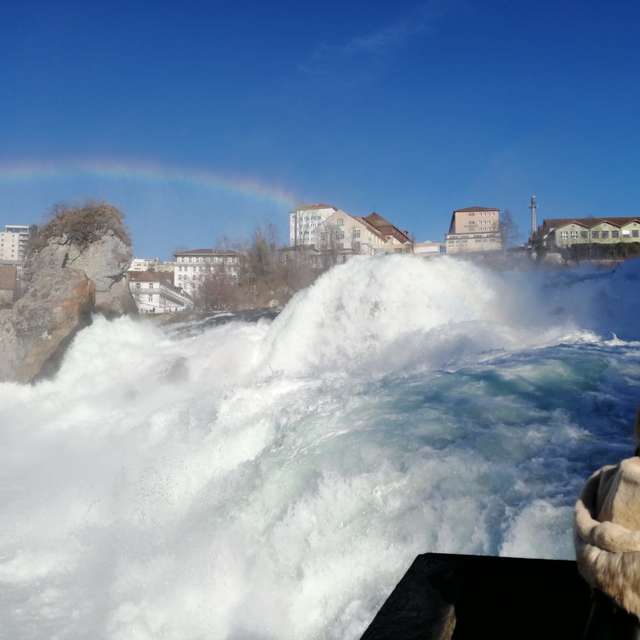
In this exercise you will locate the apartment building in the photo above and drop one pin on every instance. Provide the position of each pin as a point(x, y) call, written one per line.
point(154, 292)
point(14, 242)
point(474, 229)
point(565, 232)
point(193, 266)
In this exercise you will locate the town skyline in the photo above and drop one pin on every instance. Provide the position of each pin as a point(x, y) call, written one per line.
point(410, 110)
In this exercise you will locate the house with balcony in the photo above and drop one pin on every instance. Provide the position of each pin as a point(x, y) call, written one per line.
point(154, 292)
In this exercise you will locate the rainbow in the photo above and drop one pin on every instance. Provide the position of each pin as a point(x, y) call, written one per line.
point(149, 173)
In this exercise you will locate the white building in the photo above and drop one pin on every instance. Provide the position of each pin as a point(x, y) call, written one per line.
point(428, 249)
point(14, 241)
point(144, 264)
point(152, 264)
point(193, 266)
point(304, 223)
point(153, 292)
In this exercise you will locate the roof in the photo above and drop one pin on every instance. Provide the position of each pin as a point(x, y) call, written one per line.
point(8, 277)
point(476, 209)
point(206, 252)
point(588, 222)
point(165, 277)
point(385, 227)
point(319, 205)
point(369, 226)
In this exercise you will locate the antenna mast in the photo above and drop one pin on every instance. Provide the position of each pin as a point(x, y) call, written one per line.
point(533, 207)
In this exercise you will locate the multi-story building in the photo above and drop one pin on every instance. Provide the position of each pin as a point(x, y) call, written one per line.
point(345, 235)
point(304, 222)
point(193, 266)
point(565, 232)
point(14, 242)
point(474, 229)
point(153, 292)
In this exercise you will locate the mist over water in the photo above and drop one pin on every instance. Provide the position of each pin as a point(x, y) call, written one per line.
point(274, 479)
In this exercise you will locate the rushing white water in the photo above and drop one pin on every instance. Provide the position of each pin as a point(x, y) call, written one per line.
point(275, 479)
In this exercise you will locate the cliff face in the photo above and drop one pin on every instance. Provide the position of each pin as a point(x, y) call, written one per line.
point(105, 261)
point(77, 267)
point(34, 334)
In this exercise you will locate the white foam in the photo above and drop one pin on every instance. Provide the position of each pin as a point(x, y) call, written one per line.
point(274, 480)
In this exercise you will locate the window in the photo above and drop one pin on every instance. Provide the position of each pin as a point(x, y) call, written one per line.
point(635, 233)
point(584, 234)
point(564, 235)
point(574, 234)
point(339, 235)
point(604, 234)
point(615, 234)
point(356, 233)
point(595, 235)
point(340, 221)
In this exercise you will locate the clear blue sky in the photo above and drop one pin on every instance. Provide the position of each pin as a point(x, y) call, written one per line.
point(408, 108)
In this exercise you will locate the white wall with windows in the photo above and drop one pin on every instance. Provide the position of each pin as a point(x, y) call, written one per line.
point(191, 268)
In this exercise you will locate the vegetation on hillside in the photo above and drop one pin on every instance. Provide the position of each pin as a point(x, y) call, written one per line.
point(264, 278)
point(81, 225)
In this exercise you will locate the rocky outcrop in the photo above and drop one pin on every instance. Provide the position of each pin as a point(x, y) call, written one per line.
point(35, 333)
point(105, 262)
point(77, 266)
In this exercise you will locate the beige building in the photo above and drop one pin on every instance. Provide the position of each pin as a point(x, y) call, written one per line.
point(365, 235)
point(347, 235)
point(474, 229)
point(565, 232)
point(395, 240)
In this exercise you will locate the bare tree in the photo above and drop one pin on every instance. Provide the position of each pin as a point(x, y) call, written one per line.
point(508, 229)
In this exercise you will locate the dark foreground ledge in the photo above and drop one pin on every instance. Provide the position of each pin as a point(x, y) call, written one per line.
point(463, 597)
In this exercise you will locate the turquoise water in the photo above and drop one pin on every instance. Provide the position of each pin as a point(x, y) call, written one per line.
point(274, 479)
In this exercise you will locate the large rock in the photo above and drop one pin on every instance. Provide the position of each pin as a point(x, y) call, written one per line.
point(77, 266)
point(105, 261)
point(35, 333)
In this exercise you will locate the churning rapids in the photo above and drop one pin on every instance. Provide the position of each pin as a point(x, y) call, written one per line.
point(274, 479)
